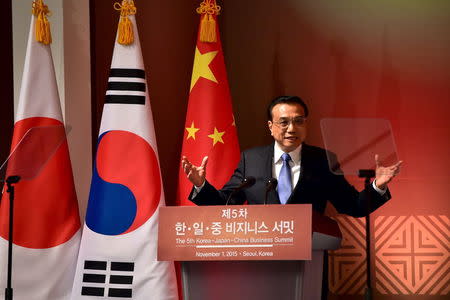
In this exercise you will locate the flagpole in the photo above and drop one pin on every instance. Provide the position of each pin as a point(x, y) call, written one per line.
point(10, 181)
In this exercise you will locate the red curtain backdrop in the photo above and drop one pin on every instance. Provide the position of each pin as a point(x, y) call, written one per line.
point(378, 59)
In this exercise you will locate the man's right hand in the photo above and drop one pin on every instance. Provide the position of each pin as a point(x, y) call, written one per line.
point(195, 174)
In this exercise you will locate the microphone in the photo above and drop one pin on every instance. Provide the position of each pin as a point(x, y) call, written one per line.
point(271, 184)
point(246, 183)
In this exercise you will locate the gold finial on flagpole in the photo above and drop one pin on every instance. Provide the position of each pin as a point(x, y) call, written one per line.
point(41, 11)
point(208, 8)
point(125, 28)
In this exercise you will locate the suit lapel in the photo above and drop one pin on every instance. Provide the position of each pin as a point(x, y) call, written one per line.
point(304, 171)
point(272, 197)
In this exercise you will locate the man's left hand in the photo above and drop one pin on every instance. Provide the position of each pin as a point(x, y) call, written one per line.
point(383, 175)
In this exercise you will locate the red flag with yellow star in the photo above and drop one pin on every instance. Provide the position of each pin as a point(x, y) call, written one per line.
point(210, 129)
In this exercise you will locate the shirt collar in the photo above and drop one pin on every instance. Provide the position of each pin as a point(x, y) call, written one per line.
point(295, 154)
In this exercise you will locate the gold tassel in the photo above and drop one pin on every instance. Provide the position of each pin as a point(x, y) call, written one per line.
point(208, 8)
point(125, 27)
point(41, 11)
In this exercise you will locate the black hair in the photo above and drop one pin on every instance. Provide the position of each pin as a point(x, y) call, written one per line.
point(286, 100)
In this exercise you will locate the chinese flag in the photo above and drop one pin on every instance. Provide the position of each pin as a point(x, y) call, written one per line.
point(210, 128)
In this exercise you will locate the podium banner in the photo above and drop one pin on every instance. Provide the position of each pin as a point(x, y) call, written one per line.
point(238, 232)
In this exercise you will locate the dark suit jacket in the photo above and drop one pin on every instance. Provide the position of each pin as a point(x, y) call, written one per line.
point(316, 184)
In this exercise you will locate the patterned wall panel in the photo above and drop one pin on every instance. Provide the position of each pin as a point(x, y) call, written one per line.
point(347, 266)
point(412, 255)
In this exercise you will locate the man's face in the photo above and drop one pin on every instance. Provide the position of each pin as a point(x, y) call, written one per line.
point(288, 126)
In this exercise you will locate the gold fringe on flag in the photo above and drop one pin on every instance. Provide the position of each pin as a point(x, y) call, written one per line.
point(41, 11)
point(208, 8)
point(125, 28)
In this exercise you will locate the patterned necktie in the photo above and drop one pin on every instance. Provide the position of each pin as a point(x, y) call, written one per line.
point(284, 180)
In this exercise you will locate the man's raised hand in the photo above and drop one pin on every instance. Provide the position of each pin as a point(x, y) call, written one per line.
point(195, 174)
point(385, 174)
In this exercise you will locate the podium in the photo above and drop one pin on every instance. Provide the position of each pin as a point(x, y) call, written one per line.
point(262, 252)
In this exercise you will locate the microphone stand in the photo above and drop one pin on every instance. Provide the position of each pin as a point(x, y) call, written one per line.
point(246, 183)
point(271, 184)
point(229, 197)
point(10, 181)
point(367, 174)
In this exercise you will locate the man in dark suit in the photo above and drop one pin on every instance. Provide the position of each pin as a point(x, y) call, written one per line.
point(302, 170)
